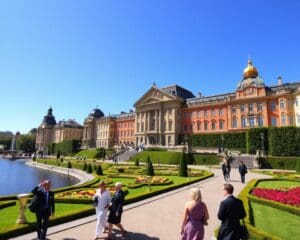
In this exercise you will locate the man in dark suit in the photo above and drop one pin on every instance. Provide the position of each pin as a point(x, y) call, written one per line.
point(116, 210)
point(45, 207)
point(243, 170)
point(231, 211)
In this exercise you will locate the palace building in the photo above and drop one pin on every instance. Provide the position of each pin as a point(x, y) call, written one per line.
point(163, 114)
point(51, 132)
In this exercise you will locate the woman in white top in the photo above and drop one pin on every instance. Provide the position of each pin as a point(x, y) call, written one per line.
point(102, 200)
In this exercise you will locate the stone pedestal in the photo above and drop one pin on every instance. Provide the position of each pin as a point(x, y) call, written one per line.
point(23, 198)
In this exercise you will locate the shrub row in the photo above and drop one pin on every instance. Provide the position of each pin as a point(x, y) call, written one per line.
point(231, 140)
point(277, 141)
point(6, 204)
point(287, 163)
point(65, 147)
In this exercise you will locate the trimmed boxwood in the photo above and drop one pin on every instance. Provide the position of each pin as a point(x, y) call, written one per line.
point(287, 163)
point(7, 204)
point(254, 140)
point(231, 140)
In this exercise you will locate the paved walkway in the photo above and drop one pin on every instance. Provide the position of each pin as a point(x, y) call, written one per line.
point(157, 218)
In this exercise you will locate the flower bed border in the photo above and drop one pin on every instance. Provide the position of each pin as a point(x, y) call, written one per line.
point(246, 197)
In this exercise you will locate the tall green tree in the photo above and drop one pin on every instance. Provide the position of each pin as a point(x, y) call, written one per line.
point(26, 143)
point(183, 166)
point(99, 170)
point(150, 169)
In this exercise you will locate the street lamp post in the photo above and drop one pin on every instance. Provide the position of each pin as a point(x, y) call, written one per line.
point(222, 139)
point(262, 144)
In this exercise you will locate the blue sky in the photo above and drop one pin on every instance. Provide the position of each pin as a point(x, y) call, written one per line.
point(75, 55)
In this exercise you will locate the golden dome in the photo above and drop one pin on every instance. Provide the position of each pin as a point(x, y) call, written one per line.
point(250, 71)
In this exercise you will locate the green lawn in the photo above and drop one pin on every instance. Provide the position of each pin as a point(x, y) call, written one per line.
point(277, 184)
point(277, 222)
point(124, 173)
point(9, 215)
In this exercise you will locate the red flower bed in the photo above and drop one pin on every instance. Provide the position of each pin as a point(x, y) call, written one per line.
point(290, 196)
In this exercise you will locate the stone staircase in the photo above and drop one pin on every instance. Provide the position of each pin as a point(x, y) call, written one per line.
point(247, 159)
point(125, 155)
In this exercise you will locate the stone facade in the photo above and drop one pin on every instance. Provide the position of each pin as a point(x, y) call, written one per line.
point(49, 131)
point(163, 114)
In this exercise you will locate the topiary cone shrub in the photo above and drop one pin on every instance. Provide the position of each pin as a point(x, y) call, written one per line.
point(150, 169)
point(99, 170)
point(137, 162)
point(69, 164)
point(89, 168)
point(183, 166)
point(84, 168)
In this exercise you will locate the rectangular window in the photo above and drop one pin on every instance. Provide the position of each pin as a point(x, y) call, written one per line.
point(273, 106)
point(281, 103)
point(274, 121)
point(221, 125)
point(213, 125)
point(242, 108)
point(194, 114)
point(213, 113)
point(243, 122)
point(260, 121)
point(251, 121)
point(251, 108)
point(259, 107)
point(234, 123)
point(283, 120)
point(205, 113)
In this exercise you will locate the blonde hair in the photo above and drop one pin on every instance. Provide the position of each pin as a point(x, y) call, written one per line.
point(196, 194)
point(118, 184)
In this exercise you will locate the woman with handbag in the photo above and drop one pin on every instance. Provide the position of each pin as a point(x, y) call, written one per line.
point(195, 217)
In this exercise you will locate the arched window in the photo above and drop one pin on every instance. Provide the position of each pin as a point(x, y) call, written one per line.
point(243, 120)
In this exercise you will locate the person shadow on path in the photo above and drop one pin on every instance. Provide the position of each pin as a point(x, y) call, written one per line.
point(133, 236)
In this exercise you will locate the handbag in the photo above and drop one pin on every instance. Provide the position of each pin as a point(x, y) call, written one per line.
point(244, 234)
point(33, 204)
point(95, 201)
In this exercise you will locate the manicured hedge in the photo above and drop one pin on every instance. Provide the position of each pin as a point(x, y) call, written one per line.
point(164, 157)
point(287, 163)
point(254, 140)
point(231, 140)
point(7, 204)
point(284, 141)
point(66, 147)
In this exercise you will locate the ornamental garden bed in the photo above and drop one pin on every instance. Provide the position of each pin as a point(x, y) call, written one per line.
point(75, 201)
point(268, 207)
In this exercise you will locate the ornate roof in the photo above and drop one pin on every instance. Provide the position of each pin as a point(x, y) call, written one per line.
point(49, 119)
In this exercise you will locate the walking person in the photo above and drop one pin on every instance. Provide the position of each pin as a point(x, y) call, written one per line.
point(195, 217)
point(243, 170)
point(116, 210)
point(101, 202)
point(224, 170)
point(45, 207)
point(228, 168)
point(231, 211)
